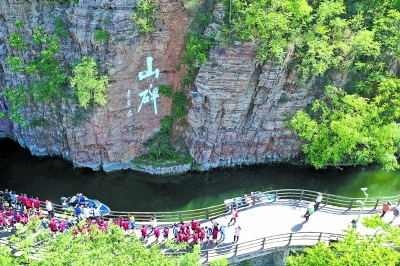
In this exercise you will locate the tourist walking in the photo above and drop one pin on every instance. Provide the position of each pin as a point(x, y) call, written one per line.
point(237, 234)
point(318, 201)
point(235, 214)
point(7, 197)
point(49, 208)
point(215, 233)
point(144, 233)
point(309, 212)
point(223, 229)
point(385, 208)
point(396, 213)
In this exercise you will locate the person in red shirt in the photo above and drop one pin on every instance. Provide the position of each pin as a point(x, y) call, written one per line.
point(186, 238)
point(202, 235)
point(195, 238)
point(28, 204)
point(188, 230)
point(17, 217)
point(385, 208)
point(125, 225)
point(180, 237)
point(194, 224)
point(23, 200)
point(157, 233)
point(182, 228)
point(144, 233)
point(36, 203)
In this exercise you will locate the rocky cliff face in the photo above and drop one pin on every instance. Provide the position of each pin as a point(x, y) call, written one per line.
point(111, 136)
point(238, 104)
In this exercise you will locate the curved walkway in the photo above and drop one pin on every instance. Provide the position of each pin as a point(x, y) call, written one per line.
point(265, 219)
point(284, 216)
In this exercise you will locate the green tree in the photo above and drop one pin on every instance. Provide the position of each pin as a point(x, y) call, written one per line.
point(354, 249)
point(350, 129)
point(95, 248)
point(89, 84)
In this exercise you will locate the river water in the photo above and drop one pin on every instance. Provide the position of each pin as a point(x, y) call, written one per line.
point(51, 178)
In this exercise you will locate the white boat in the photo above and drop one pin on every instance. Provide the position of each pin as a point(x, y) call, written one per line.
point(92, 203)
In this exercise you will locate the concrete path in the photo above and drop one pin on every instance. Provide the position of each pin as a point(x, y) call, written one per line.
point(284, 216)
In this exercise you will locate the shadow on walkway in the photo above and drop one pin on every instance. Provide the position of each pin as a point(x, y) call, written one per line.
point(302, 205)
point(297, 227)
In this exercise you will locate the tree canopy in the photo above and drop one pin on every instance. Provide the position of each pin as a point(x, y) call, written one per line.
point(351, 129)
point(355, 249)
point(95, 248)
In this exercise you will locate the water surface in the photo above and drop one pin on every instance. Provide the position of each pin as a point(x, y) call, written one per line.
point(51, 178)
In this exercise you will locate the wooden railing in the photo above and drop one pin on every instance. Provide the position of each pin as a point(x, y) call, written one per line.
point(217, 210)
point(270, 243)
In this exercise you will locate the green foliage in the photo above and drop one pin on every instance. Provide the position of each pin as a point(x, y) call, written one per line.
point(60, 29)
point(197, 50)
point(100, 35)
point(49, 80)
point(17, 41)
point(17, 97)
point(15, 63)
point(166, 90)
point(146, 16)
point(220, 262)
point(350, 129)
point(2, 115)
point(354, 249)
point(89, 85)
point(349, 36)
point(180, 104)
point(163, 148)
point(97, 247)
point(37, 36)
point(18, 23)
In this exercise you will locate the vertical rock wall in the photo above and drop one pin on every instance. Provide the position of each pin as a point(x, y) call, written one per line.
point(111, 136)
point(239, 107)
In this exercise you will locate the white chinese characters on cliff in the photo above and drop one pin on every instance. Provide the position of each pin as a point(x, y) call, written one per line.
point(149, 94)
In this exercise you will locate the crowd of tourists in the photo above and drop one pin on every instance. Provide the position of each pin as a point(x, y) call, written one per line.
point(17, 209)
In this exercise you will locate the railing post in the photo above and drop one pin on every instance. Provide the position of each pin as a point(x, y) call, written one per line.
point(263, 244)
point(326, 200)
point(376, 205)
point(208, 213)
point(290, 239)
point(207, 255)
point(276, 195)
point(236, 249)
point(301, 196)
point(180, 217)
point(319, 238)
point(351, 203)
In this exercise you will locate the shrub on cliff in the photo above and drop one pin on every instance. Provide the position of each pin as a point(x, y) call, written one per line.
point(89, 84)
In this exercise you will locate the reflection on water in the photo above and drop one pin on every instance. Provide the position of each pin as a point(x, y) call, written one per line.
point(51, 178)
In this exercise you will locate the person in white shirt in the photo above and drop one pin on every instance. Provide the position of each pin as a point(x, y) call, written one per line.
point(318, 201)
point(49, 208)
point(86, 212)
point(237, 234)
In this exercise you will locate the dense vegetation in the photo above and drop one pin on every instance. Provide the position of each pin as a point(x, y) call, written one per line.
point(355, 249)
point(351, 129)
point(145, 15)
point(350, 36)
point(95, 248)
